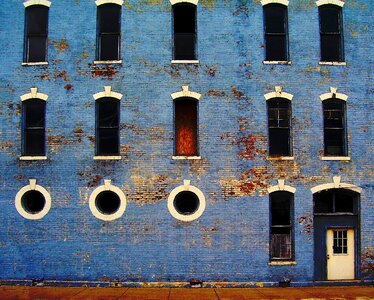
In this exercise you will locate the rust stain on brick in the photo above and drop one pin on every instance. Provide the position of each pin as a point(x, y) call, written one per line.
point(215, 93)
point(211, 70)
point(107, 71)
point(68, 87)
point(254, 180)
point(237, 94)
point(79, 134)
point(6, 145)
point(61, 45)
point(56, 141)
point(62, 74)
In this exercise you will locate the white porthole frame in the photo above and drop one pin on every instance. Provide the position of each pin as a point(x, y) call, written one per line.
point(107, 186)
point(190, 188)
point(32, 186)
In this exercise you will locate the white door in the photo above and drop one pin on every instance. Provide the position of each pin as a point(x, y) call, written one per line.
point(340, 254)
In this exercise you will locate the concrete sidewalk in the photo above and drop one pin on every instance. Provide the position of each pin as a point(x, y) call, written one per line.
point(83, 293)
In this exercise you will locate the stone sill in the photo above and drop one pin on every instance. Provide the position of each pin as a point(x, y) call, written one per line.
point(280, 158)
point(185, 157)
point(107, 62)
point(109, 157)
point(333, 63)
point(41, 63)
point(276, 62)
point(282, 263)
point(341, 158)
point(33, 157)
point(196, 62)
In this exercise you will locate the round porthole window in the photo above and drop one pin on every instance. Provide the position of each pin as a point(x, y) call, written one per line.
point(33, 201)
point(107, 202)
point(186, 202)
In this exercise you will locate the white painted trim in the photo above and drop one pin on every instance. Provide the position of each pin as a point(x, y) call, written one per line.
point(333, 63)
point(277, 62)
point(41, 63)
point(107, 93)
point(266, 2)
point(107, 62)
point(185, 157)
point(101, 2)
point(185, 93)
point(280, 158)
point(32, 186)
point(282, 263)
point(107, 186)
point(333, 95)
point(336, 184)
point(34, 95)
point(333, 2)
point(109, 157)
point(344, 158)
point(186, 187)
point(196, 62)
point(37, 2)
point(172, 2)
point(281, 187)
point(278, 94)
point(33, 158)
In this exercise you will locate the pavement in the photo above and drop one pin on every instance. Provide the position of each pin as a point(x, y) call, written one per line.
point(86, 293)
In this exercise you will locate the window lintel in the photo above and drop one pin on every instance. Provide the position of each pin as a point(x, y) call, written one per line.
point(266, 2)
point(107, 93)
point(34, 95)
point(185, 93)
point(281, 187)
point(278, 94)
point(336, 184)
point(333, 95)
point(172, 2)
point(37, 2)
point(101, 2)
point(333, 2)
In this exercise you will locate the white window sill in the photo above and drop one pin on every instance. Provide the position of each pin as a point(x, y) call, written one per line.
point(33, 158)
point(109, 157)
point(280, 158)
point(185, 157)
point(107, 62)
point(346, 158)
point(333, 63)
point(275, 62)
point(282, 263)
point(196, 62)
point(41, 63)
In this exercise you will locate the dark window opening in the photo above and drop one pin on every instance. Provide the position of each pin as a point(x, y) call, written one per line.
point(33, 115)
point(108, 32)
point(107, 202)
point(184, 16)
point(36, 33)
point(276, 32)
point(334, 122)
point(340, 245)
point(331, 31)
point(186, 203)
point(107, 126)
point(33, 202)
point(186, 132)
point(335, 201)
point(279, 122)
point(281, 219)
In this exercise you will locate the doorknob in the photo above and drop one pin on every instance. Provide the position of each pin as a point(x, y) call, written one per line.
point(328, 256)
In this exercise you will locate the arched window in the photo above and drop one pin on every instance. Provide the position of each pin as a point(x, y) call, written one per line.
point(33, 127)
point(276, 32)
point(279, 122)
point(186, 126)
point(331, 32)
point(185, 34)
point(108, 32)
point(36, 32)
point(107, 126)
point(335, 201)
point(334, 124)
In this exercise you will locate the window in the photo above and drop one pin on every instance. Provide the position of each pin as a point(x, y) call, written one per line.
point(107, 126)
point(186, 132)
point(334, 122)
point(108, 32)
point(281, 226)
point(276, 32)
point(184, 15)
point(331, 31)
point(335, 201)
point(36, 33)
point(33, 127)
point(279, 122)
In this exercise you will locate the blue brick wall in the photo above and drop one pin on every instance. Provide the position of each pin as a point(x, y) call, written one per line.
point(230, 241)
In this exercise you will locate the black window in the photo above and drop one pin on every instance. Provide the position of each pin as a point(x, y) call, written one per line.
point(281, 226)
point(335, 201)
point(331, 31)
point(107, 126)
point(36, 33)
point(185, 36)
point(186, 132)
point(279, 122)
point(33, 116)
point(276, 32)
point(108, 32)
point(334, 122)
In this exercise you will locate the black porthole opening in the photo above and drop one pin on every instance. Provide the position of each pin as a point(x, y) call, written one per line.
point(107, 202)
point(33, 202)
point(186, 203)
